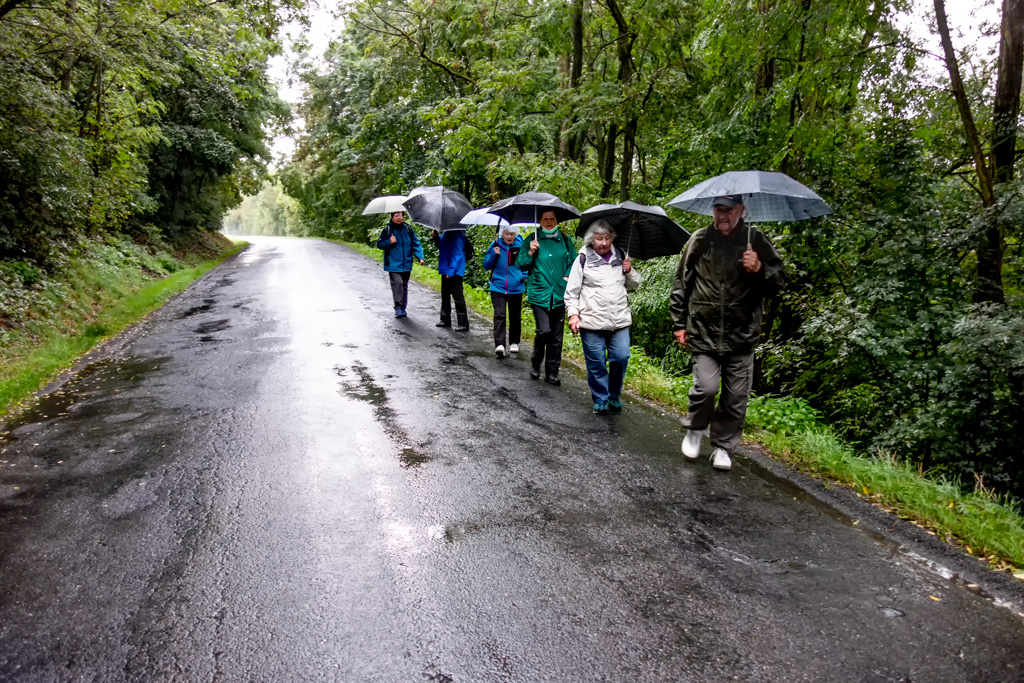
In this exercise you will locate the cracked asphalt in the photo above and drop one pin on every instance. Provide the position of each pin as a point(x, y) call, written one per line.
point(273, 479)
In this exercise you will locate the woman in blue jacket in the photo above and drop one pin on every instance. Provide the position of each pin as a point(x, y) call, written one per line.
point(507, 286)
point(400, 246)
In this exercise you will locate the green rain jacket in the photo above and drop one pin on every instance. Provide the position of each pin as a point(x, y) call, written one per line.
point(548, 269)
point(715, 299)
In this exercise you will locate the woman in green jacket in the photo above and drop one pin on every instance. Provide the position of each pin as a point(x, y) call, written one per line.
point(547, 263)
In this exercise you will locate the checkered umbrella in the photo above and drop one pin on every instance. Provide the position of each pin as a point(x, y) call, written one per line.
point(768, 196)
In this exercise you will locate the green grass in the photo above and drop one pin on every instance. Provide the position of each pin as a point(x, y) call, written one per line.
point(988, 526)
point(108, 299)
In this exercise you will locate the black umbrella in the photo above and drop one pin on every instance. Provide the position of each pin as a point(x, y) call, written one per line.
point(641, 231)
point(529, 206)
point(438, 208)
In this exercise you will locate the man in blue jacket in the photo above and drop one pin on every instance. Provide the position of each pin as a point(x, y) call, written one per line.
point(400, 246)
point(452, 249)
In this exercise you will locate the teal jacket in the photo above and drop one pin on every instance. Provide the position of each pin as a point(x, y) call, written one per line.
point(547, 270)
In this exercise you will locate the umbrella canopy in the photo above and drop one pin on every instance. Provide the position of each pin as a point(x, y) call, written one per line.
point(528, 207)
point(438, 208)
point(387, 204)
point(641, 231)
point(768, 196)
point(482, 217)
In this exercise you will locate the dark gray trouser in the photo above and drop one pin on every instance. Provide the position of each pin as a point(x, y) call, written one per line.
point(736, 373)
point(451, 288)
point(400, 289)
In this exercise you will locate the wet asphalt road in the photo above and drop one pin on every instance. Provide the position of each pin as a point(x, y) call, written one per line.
point(273, 479)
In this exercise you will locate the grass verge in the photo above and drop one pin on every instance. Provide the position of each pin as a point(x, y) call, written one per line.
point(103, 302)
point(983, 524)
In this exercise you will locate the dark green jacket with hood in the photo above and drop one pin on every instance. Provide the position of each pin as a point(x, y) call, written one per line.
point(715, 299)
point(547, 270)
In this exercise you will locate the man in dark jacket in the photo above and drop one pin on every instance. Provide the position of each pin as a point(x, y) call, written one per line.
point(401, 246)
point(716, 304)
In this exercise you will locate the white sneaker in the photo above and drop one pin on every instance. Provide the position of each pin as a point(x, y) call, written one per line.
point(720, 460)
point(691, 443)
point(513, 348)
point(499, 351)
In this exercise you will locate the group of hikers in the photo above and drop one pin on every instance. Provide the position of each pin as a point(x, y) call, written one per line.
point(726, 271)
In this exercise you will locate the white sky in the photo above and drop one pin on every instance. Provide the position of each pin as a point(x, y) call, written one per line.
point(323, 27)
point(967, 19)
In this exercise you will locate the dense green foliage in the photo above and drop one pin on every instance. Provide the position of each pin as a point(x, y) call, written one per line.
point(894, 327)
point(122, 116)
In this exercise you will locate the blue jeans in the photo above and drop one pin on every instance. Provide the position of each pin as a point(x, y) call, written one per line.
point(605, 381)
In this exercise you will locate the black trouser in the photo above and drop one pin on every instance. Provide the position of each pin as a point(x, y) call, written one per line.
point(547, 345)
point(400, 289)
point(515, 317)
point(451, 288)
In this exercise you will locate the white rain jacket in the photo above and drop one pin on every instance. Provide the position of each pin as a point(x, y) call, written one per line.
point(596, 291)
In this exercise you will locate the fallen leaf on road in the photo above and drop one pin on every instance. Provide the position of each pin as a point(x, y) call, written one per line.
point(935, 598)
point(1019, 575)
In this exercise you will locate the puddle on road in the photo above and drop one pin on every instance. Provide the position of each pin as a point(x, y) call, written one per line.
point(358, 383)
point(104, 377)
point(196, 310)
point(409, 457)
point(213, 326)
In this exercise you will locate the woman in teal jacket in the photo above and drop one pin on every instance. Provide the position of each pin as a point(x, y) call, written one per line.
point(506, 286)
point(548, 260)
point(400, 246)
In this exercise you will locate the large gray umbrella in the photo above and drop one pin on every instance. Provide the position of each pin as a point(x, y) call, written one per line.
point(641, 231)
point(438, 208)
point(768, 196)
point(529, 206)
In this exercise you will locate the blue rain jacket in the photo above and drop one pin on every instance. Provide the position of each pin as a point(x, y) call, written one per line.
point(505, 278)
point(452, 247)
point(398, 257)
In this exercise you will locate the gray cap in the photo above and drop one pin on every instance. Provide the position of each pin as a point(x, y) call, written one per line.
point(728, 200)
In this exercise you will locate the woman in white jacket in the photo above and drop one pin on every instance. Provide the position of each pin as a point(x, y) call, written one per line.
point(598, 310)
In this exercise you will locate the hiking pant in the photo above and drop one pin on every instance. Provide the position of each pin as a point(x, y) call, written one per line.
point(514, 302)
point(451, 288)
point(400, 289)
point(607, 354)
point(735, 372)
point(547, 345)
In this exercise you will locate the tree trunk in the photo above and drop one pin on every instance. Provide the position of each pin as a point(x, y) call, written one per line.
point(608, 172)
point(956, 85)
point(988, 287)
point(1008, 85)
point(626, 167)
point(67, 80)
point(574, 147)
point(624, 42)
